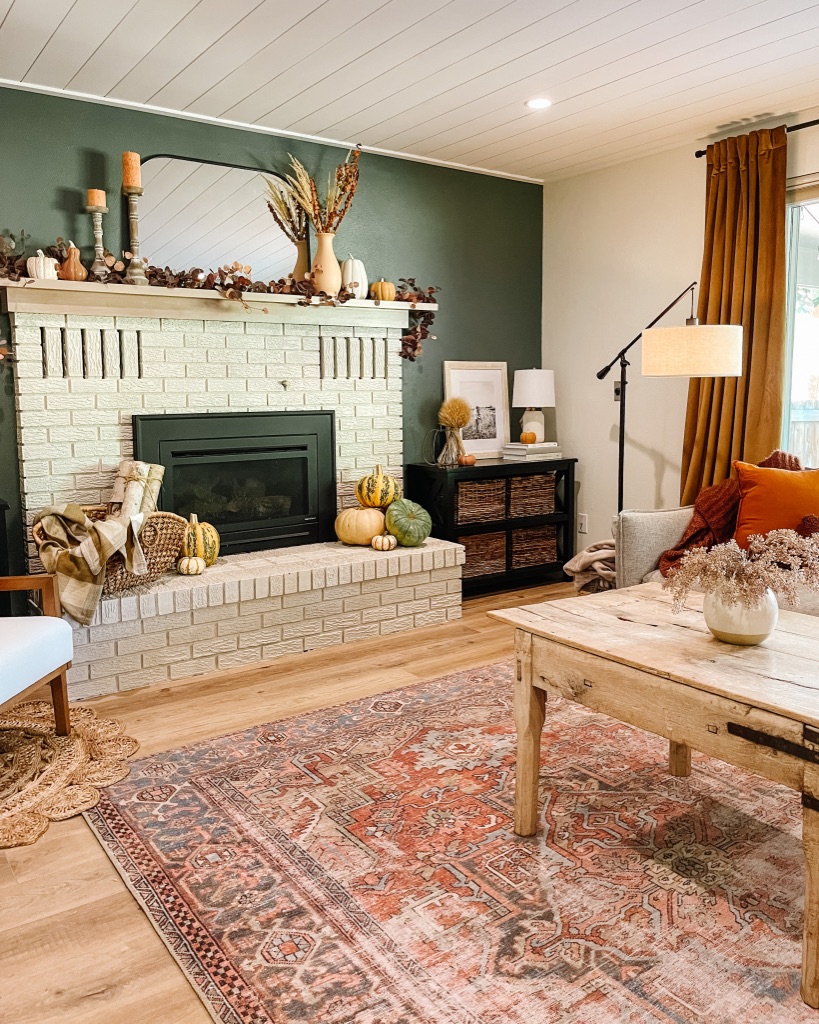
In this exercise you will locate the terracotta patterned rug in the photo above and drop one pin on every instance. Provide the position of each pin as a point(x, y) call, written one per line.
point(358, 866)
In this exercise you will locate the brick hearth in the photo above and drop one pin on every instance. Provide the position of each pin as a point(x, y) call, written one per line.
point(89, 357)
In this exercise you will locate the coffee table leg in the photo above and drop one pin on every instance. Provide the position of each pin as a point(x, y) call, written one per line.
point(679, 759)
point(810, 935)
point(530, 706)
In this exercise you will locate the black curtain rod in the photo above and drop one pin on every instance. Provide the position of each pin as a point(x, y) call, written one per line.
point(788, 129)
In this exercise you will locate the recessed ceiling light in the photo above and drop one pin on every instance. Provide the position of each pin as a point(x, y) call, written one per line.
point(538, 103)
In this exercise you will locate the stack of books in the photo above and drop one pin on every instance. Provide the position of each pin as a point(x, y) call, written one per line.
point(542, 452)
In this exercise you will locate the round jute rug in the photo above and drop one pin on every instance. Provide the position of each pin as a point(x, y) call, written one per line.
point(45, 777)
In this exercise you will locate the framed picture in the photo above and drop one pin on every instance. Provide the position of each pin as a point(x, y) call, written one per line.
point(484, 386)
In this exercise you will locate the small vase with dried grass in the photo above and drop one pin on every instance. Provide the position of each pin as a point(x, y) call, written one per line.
point(291, 219)
point(326, 215)
point(453, 416)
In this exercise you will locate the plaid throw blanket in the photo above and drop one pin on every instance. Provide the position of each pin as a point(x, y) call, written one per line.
point(76, 549)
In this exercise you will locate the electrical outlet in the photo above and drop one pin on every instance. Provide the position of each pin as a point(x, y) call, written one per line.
point(617, 391)
point(582, 523)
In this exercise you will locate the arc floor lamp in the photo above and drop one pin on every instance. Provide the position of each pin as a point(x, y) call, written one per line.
point(696, 350)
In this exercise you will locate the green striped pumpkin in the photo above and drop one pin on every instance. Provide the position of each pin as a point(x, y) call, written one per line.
point(200, 540)
point(378, 489)
point(409, 523)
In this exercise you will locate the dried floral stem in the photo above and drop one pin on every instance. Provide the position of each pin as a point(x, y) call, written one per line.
point(780, 561)
point(455, 412)
point(341, 188)
point(286, 211)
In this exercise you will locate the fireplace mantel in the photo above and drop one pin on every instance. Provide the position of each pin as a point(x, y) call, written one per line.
point(85, 299)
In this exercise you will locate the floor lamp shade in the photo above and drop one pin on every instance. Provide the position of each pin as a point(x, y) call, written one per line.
point(707, 350)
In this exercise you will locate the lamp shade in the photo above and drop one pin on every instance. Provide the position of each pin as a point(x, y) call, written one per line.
point(706, 350)
point(533, 389)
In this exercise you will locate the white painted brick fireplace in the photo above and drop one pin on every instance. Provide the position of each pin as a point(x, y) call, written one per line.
point(89, 357)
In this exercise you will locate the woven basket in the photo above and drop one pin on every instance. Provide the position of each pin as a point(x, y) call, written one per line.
point(480, 501)
point(536, 545)
point(532, 495)
point(161, 542)
point(485, 554)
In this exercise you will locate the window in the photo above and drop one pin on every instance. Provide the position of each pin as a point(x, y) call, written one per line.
point(800, 433)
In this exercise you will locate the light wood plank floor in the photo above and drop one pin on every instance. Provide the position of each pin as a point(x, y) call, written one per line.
point(74, 946)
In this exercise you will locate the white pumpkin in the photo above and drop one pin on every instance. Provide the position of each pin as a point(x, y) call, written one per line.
point(42, 267)
point(353, 273)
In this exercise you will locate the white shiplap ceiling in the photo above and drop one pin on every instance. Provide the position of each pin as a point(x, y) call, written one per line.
point(442, 80)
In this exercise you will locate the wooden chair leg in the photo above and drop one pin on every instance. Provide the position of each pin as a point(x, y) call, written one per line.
point(59, 698)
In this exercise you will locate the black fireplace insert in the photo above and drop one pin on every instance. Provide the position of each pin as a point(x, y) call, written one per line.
point(264, 480)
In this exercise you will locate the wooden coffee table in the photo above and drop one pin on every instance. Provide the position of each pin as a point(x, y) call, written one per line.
point(625, 654)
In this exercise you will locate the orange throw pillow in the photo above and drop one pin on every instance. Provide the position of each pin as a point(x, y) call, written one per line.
point(773, 499)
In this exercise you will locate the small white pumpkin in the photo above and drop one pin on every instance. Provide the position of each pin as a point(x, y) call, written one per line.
point(354, 274)
point(190, 565)
point(384, 542)
point(42, 267)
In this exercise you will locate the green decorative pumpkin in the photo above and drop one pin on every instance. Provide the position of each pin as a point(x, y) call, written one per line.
point(200, 540)
point(377, 489)
point(408, 523)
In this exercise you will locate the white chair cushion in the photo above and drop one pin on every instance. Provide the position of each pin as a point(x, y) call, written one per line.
point(31, 647)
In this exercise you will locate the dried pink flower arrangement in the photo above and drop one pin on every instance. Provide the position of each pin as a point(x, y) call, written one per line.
point(781, 561)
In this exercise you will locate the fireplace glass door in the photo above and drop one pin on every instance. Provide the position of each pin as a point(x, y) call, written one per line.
point(235, 488)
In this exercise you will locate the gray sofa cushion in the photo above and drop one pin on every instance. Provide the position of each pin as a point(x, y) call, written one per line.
point(641, 536)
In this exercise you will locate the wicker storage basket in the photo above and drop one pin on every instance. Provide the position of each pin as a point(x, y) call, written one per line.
point(480, 501)
point(485, 553)
point(532, 495)
point(534, 545)
point(161, 541)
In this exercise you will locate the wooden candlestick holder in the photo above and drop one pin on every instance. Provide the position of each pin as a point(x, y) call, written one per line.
point(135, 273)
point(99, 269)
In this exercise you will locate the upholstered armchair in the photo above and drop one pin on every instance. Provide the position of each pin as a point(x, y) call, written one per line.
point(36, 649)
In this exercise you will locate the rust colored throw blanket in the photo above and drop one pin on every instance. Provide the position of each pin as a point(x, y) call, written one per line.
point(715, 513)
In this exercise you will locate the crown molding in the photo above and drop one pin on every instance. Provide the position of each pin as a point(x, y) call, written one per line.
point(186, 115)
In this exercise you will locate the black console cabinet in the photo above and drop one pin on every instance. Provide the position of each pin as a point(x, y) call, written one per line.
point(516, 520)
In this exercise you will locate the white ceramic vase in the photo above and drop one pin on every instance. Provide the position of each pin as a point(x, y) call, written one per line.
point(736, 624)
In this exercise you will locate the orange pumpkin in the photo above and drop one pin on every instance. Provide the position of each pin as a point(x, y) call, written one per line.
point(466, 460)
point(528, 437)
point(383, 291)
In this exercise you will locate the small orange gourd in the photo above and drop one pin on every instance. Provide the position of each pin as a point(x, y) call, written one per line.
point(528, 437)
point(382, 290)
point(466, 460)
point(71, 269)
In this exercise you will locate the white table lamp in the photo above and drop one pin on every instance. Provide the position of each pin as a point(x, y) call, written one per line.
point(532, 391)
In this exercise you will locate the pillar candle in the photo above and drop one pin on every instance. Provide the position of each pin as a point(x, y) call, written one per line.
point(95, 197)
point(131, 171)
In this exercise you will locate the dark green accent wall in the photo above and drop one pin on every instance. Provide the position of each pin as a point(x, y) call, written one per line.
point(477, 237)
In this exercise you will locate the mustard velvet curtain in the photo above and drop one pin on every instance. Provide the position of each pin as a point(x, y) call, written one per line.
point(742, 282)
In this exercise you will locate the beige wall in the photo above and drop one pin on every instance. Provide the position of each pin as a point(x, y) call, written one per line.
point(619, 244)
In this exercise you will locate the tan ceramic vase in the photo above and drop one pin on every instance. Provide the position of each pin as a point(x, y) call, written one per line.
point(326, 268)
point(71, 269)
point(302, 267)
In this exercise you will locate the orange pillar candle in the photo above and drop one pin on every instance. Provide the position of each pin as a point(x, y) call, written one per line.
point(131, 171)
point(95, 197)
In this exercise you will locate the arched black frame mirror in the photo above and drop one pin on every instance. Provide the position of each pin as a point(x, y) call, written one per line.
point(206, 213)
